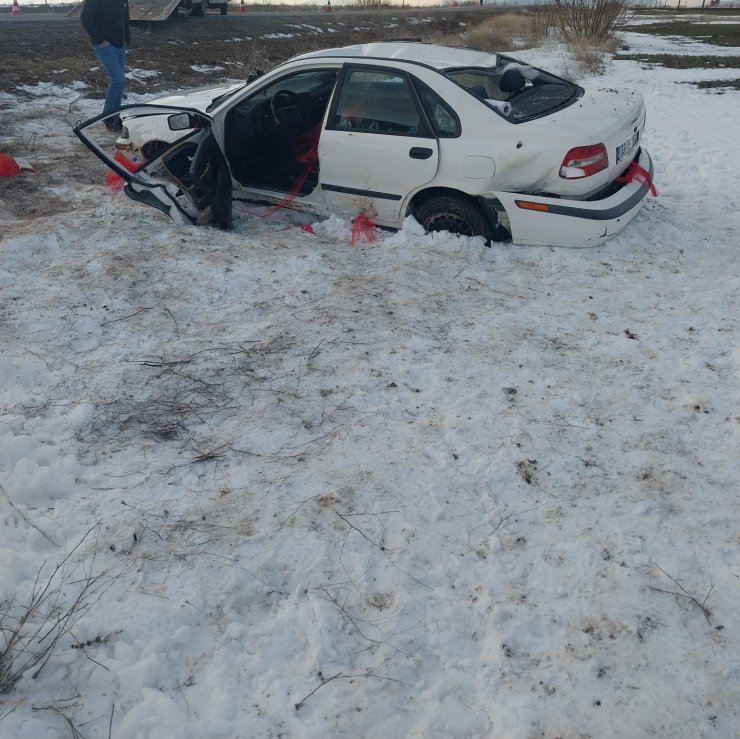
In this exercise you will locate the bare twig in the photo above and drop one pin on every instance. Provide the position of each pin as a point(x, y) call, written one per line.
point(341, 675)
point(29, 522)
point(75, 731)
point(125, 318)
point(504, 519)
point(360, 531)
point(349, 618)
point(685, 594)
point(32, 630)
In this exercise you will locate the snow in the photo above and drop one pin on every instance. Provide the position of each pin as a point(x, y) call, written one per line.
point(415, 488)
point(206, 68)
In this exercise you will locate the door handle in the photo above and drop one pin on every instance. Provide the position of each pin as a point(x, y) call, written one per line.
point(420, 152)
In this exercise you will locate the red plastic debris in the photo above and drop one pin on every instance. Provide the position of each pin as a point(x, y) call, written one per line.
point(308, 228)
point(8, 166)
point(363, 231)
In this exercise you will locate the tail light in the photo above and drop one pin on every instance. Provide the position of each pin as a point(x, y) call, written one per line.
point(583, 161)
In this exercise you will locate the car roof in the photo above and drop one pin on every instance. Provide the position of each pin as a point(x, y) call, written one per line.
point(433, 55)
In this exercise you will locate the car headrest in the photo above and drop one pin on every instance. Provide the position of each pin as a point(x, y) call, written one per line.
point(511, 81)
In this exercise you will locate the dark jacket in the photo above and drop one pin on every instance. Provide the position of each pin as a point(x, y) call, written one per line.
point(107, 20)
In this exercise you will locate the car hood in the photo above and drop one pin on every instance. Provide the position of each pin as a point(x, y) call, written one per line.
point(199, 98)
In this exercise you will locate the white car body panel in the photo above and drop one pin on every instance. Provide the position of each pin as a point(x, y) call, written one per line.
point(377, 166)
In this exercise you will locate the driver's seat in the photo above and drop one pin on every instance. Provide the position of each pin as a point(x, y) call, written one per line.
point(290, 118)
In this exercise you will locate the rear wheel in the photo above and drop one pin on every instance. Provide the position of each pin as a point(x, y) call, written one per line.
point(224, 8)
point(454, 213)
point(199, 8)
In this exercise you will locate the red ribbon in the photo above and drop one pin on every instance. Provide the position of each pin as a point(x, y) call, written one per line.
point(636, 172)
point(306, 152)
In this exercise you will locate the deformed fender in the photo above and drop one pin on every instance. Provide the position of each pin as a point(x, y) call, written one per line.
point(545, 221)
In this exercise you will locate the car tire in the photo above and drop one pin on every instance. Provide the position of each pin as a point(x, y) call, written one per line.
point(199, 8)
point(456, 214)
point(224, 8)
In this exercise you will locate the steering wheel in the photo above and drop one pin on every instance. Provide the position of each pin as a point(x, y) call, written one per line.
point(282, 103)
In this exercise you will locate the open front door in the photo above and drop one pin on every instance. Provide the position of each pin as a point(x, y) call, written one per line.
point(189, 181)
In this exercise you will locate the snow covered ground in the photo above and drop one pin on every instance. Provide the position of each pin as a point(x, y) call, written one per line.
point(419, 488)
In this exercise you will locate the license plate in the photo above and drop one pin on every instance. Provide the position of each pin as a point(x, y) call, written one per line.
point(627, 146)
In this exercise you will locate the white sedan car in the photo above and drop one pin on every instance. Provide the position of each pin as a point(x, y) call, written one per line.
point(466, 141)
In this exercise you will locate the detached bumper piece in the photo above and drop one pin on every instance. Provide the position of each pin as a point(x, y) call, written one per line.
point(543, 221)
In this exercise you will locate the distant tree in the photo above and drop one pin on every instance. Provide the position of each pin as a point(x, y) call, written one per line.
point(594, 21)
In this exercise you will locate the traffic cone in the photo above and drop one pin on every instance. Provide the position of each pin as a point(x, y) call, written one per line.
point(242, 7)
point(16, 8)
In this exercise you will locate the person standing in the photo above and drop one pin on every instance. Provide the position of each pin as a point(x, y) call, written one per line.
point(107, 24)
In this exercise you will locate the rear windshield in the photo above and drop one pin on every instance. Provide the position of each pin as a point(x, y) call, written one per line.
point(531, 92)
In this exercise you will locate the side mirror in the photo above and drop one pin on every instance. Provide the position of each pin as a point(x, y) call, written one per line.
point(182, 122)
point(255, 74)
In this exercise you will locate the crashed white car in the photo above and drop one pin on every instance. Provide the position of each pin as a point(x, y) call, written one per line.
point(466, 141)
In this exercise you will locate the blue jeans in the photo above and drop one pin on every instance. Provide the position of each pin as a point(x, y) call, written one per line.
point(113, 60)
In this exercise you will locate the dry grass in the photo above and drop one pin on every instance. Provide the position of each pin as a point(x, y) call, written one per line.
point(505, 32)
point(589, 56)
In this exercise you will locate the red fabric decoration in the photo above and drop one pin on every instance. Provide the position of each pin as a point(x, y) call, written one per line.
point(363, 231)
point(636, 172)
point(8, 166)
point(115, 181)
point(305, 152)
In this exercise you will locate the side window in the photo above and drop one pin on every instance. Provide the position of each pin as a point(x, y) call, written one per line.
point(377, 101)
point(313, 86)
point(444, 119)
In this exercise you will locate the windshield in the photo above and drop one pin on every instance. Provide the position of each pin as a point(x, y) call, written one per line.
point(220, 99)
point(530, 92)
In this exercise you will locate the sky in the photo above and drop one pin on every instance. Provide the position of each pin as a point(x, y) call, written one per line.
point(398, 3)
point(413, 487)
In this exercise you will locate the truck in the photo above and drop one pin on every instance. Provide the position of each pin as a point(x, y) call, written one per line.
point(161, 10)
point(196, 7)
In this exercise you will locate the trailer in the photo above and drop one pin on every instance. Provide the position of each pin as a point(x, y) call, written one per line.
point(196, 7)
point(160, 10)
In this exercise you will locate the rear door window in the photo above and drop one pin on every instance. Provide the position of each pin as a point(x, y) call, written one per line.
point(374, 100)
point(443, 118)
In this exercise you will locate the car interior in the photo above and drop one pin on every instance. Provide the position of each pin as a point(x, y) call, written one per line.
point(377, 101)
point(532, 92)
point(271, 138)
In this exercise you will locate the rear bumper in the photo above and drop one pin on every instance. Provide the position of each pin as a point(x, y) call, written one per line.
point(558, 222)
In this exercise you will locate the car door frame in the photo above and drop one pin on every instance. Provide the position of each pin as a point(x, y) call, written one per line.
point(143, 185)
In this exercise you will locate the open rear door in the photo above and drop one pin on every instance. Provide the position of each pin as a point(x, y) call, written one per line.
point(190, 181)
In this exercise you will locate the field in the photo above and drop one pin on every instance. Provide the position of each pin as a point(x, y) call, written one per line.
point(31, 49)
point(274, 482)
